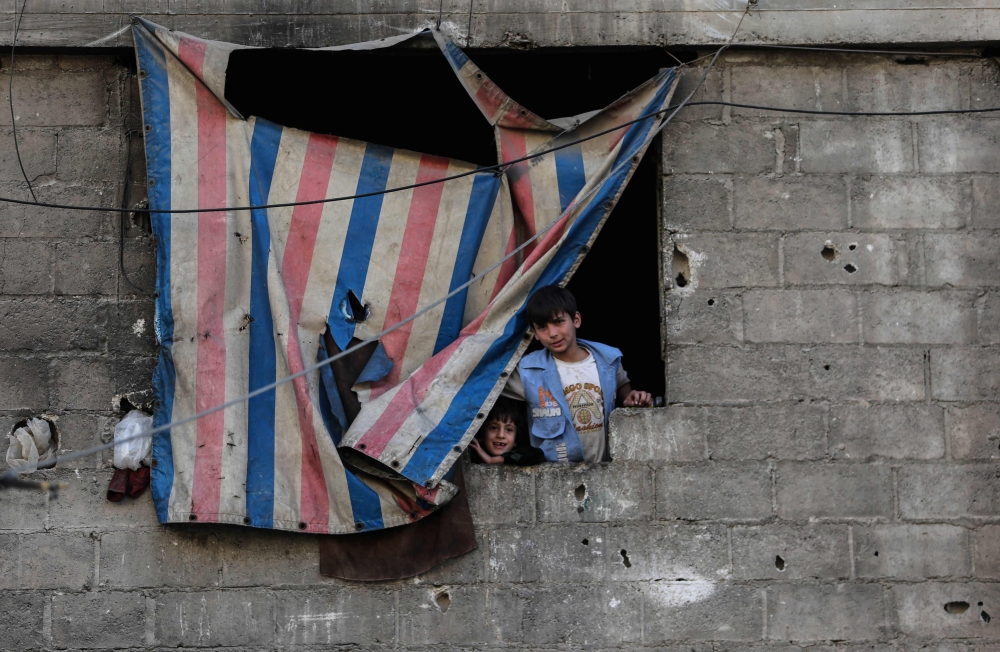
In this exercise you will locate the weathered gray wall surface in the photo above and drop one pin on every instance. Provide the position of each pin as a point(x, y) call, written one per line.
point(844, 422)
point(518, 23)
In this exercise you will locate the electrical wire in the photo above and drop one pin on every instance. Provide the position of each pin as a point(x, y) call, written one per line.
point(9, 477)
point(10, 100)
point(123, 221)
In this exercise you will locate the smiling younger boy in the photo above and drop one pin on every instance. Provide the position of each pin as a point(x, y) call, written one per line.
point(571, 385)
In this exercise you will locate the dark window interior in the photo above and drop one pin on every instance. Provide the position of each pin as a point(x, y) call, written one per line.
point(408, 97)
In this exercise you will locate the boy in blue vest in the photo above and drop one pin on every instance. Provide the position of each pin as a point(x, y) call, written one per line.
point(571, 385)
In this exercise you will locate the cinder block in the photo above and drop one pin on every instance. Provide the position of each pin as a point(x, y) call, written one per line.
point(130, 327)
point(919, 317)
point(714, 491)
point(804, 612)
point(744, 147)
point(23, 384)
point(947, 610)
point(560, 553)
point(913, 552)
point(942, 491)
point(924, 202)
point(44, 324)
point(694, 319)
point(215, 618)
point(667, 552)
point(84, 504)
point(87, 154)
point(101, 619)
point(965, 374)
point(962, 260)
point(574, 615)
point(23, 614)
point(447, 615)
point(594, 493)
point(657, 436)
point(794, 87)
point(888, 86)
point(989, 318)
point(701, 610)
point(845, 259)
point(86, 268)
point(760, 432)
point(155, 558)
point(986, 202)
point(958, 144)
point(83, 383)
point(974, 432)
point(252, 557)
point(41, 222)
point(860, 432)
point(696, 203)
point(710, 90)
point(808, 490)
point(78, 431)
point(22, 510)
point(26, 266)
point(499, 494)
point(791, 552)
point(57, 561)
point(722, 261)
point(861, 145)
point(38, 154)
point(986, 551)
point(814, 202)
point(54, 98)
point(10, 552)
point(361, 615)
point(807, 316)
point(776, 373)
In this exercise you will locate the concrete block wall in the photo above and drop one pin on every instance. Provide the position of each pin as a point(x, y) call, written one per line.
point(824, 478)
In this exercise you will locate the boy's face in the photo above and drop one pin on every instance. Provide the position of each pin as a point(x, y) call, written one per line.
point(559, 335)
point(500, 436)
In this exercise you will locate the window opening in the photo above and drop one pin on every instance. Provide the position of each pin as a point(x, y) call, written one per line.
point(407, 97)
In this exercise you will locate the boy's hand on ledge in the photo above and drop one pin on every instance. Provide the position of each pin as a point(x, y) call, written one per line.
point(636, 398)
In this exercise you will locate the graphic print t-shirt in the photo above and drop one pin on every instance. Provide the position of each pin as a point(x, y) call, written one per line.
point(585, 398)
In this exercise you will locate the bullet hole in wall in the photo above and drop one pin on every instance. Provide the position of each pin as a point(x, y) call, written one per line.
point(711, 302)
point(957, 607)
point(586, 542)
point(681, 267)
point(779, 563)
point(849, 268)
point(852, 246)
point(985, 616)
point(828, 253)
point(625, 559)
point(443, 601)
point(826, 367)
point(580, 492)
point(876, 553)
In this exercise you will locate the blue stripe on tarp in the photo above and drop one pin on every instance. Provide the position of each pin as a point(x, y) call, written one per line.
point(360, 239)
point(365, 503)
point(263, 359)
point(156, 114)
point(569, 174)
point(455, 56)
point(468, 401)
point(484, 194)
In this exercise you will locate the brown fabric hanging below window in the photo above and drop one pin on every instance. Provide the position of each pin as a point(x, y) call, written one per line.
point(399, 552)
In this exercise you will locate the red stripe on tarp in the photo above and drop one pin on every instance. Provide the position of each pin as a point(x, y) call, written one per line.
point(406, 400)
point(409, 278)
point(314, 502)
point(210, 377)
point(514, 146)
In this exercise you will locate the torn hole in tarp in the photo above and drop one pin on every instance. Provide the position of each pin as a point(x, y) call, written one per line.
point(339, 403)
point(353, 309)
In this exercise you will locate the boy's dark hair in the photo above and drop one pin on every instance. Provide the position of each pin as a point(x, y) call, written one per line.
point(508, 409)
point(547, 302)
